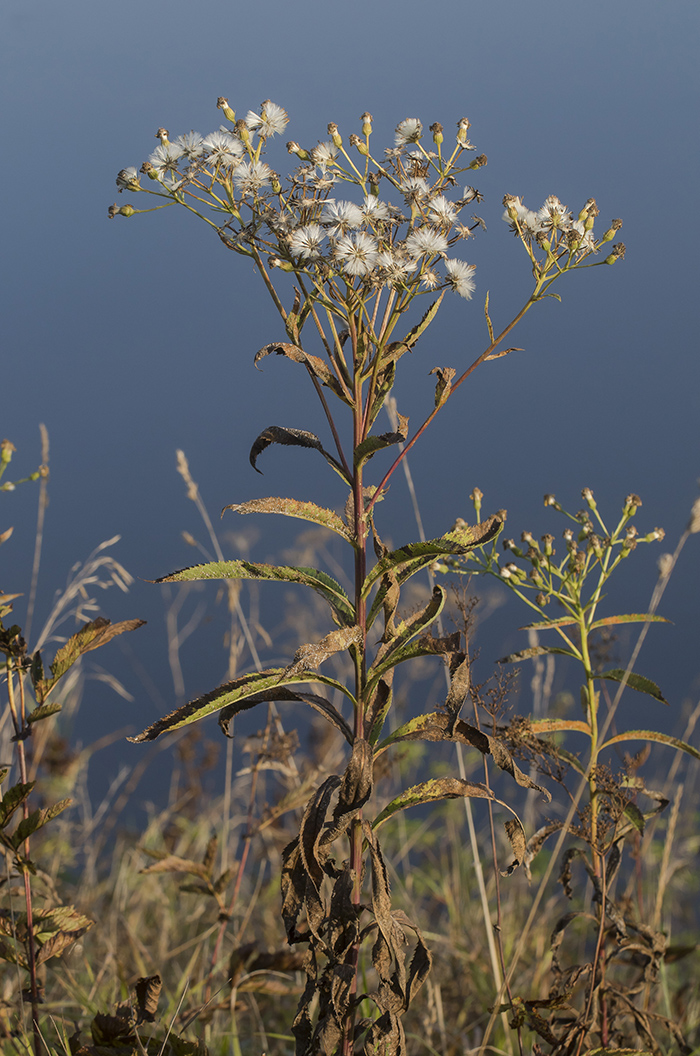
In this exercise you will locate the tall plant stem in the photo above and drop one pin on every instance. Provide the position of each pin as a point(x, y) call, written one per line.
point(21, 731)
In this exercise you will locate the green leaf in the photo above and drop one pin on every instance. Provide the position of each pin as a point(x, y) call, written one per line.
point(278, 434)
point(536, 650)
point(652, 735)
point(91, 636)
point(635, 617)
point(323, 584)
point(279, 692)
point(542, 625)
point(396, 349)
point(385, 383)
point(455, 788)
point(397, 649)
point(305, 511)
point(371, 444)
point(12, 799)
point(244, 692)
point(414, 556)
point(635, 681)
point(636, 817)
point(36, 820)
point(44, 711)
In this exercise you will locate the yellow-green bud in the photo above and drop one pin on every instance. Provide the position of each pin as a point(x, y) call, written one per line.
point(162, 134)
point(587, 494)
point(355, 141)
point(335, 134)
point(6, 449)
point(127, 210)
point(275, 183)
point(618, 253)
point(478, 162)
point(366, 120)
point(476, 496)
point(149, 170)
point(228, 113)
point(294, 148)
point(242, 131)
point(612, 231)
point(438, 137)
point(462, 129)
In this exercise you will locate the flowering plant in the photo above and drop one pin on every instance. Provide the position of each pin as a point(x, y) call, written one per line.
point(357, 264)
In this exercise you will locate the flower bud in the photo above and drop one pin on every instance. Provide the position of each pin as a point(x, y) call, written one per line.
point(275, 183)
point(542, 600)
point(476, 496)
point(6, 449)
point(618, 253)
point(128, 179)
point(549, 500)
point(657, 535)
point(335, 134)
point(548, 548)
point(595, 546)
point(294, 148)
point(355, 141)
point(479, 162)
point(438, 137)
point(631, 503)
point(242, 131)
point(587, 494)
point(366, 120)
point(149, 170)
point(125, 210)
point(162, 134)
point(228, 113)
point(509, 544)
point(612, 231)
point(463, 126)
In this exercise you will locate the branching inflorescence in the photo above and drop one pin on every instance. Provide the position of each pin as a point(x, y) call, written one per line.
point(357, 261)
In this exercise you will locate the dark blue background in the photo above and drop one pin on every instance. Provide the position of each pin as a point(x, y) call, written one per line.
point(132, 338)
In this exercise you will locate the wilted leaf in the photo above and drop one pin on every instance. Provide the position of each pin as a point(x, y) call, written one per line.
point(305, 511)
point(245, 691)
point(311, 656)
point(498, 355)
point(12, 799)
point(536, 650)
point(147, 993)
point(170, 863)
point(443, 387)
point(277, 434)
point(319, 581)
point(318, 367)
point(635, 681)
point(396, 649)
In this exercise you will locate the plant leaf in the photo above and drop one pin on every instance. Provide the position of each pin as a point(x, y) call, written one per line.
point(396, 349)
point(371, 444)
point(635, 681)
point(536, 650)
point(652, 735)
point(44, 711)
point(318, 367)
point(90, 636)
point(311, 656)
point(438, 726)
point(397, 649)
point(244, 692)
point(305, 511)
point(36, 820)
point(454, 788)
point(414, 556)
point(12, 799)
point(278, 434)
point(323, 584)
point(555, 725)
point(443, 387)
point(278, 692)
point(635, 617)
